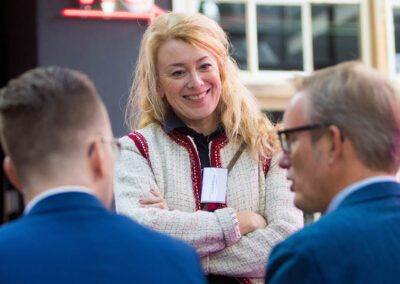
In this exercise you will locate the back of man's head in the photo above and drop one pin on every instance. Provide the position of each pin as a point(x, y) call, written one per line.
point(46, 117)
point(364, 105)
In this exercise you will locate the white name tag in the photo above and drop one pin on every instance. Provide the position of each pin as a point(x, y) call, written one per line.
point(214, 185)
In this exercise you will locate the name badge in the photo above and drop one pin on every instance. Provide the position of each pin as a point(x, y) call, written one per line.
point(214, 185)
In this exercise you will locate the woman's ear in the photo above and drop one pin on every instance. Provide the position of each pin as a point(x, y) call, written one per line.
point(9, 169)
point(160, 91)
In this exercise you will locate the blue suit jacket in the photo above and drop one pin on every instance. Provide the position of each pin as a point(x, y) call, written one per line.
point(359, 242)
point(72, 238)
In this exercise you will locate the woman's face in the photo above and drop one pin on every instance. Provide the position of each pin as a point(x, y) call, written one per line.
point(189, 78)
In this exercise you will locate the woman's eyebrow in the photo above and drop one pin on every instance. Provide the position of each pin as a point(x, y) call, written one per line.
point(178, 64)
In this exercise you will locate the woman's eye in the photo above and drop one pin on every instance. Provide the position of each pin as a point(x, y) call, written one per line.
point(177, 73)
point(205, 66)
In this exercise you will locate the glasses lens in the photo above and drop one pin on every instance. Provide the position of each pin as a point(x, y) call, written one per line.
point(116, 146)
point(284, 142)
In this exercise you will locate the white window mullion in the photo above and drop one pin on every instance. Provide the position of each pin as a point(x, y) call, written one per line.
point(364, 32)
point(251, 38)
point(308, 57)
point(390, 37)
point(185, 6)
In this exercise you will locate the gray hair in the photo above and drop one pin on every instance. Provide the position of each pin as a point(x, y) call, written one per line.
point(364, 105)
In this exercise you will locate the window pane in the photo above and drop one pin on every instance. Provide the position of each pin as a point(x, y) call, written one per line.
point(275, 116)
point(280, 45)
point(336, 34)
point(232, 18)
point(396, 18)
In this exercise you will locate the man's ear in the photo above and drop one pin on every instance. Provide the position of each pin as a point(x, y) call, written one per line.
point(97, 159)
point(9, 169)
point(336, 143)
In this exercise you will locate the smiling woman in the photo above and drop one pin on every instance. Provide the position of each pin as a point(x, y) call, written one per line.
point(193, 114)
point(189, 79)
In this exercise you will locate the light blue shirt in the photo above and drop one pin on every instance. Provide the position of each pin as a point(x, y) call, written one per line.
point(354, 187)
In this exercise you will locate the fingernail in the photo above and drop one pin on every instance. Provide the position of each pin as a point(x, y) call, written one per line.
point(151, 190)
point(140, 200)
point(142, 206)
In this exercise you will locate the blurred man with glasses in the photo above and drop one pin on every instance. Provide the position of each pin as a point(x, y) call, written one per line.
point(341, 149)
point(60, 151)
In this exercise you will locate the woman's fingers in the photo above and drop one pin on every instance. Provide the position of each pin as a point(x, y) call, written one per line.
point(159, 205)
point(250, 221)
point(156, 201)
point(155, 193)
point(150, 200)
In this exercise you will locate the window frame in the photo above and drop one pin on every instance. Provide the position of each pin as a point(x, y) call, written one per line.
point(253, 75)
point(391, 46)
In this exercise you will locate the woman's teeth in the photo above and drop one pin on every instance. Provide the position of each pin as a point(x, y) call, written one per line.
point(197, 97)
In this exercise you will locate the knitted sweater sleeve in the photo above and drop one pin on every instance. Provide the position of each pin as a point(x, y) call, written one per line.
point(248, 257)
point(208, 232)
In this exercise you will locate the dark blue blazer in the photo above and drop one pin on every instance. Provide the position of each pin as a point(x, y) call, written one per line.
point(359, 242)
point(72, 238)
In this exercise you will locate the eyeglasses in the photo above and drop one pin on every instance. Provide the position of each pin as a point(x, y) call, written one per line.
point(284, 135)
point(114, 142)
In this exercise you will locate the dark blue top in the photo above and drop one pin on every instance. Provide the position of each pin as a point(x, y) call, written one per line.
point(71, 238)
point(356, 243)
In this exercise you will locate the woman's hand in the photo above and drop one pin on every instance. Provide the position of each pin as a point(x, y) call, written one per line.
point(250, 221)
point(154, 202)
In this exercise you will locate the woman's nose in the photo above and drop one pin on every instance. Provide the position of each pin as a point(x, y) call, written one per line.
point(195, 80)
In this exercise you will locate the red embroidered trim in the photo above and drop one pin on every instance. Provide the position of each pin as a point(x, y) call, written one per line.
point(141, 144)
point(215, 161)
point(215, 152)
point(266, 166)
point(195, 168)
point(244, 280)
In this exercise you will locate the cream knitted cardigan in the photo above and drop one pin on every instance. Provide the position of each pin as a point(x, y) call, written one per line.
point(170, 164)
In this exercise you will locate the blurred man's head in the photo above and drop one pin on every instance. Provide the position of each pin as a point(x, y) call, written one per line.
point(342, 125)
point(55, 131)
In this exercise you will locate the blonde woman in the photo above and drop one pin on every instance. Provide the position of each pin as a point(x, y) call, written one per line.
point(202, 165)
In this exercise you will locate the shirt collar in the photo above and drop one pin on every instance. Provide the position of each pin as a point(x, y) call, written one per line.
point(174, 122)
point(338, 199)
point(54, 191)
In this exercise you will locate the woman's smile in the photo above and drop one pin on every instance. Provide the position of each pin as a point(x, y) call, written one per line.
point(198, 96)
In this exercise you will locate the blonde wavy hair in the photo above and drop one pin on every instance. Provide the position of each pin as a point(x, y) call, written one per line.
point(237, 108)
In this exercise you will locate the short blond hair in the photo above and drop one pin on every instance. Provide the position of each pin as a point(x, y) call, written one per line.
point(237, 108)
point(45, 112)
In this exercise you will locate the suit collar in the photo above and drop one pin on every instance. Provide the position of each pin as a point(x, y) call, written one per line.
point(66, 200)
point(55, 190)
point(354, 187)
point(372, 192)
